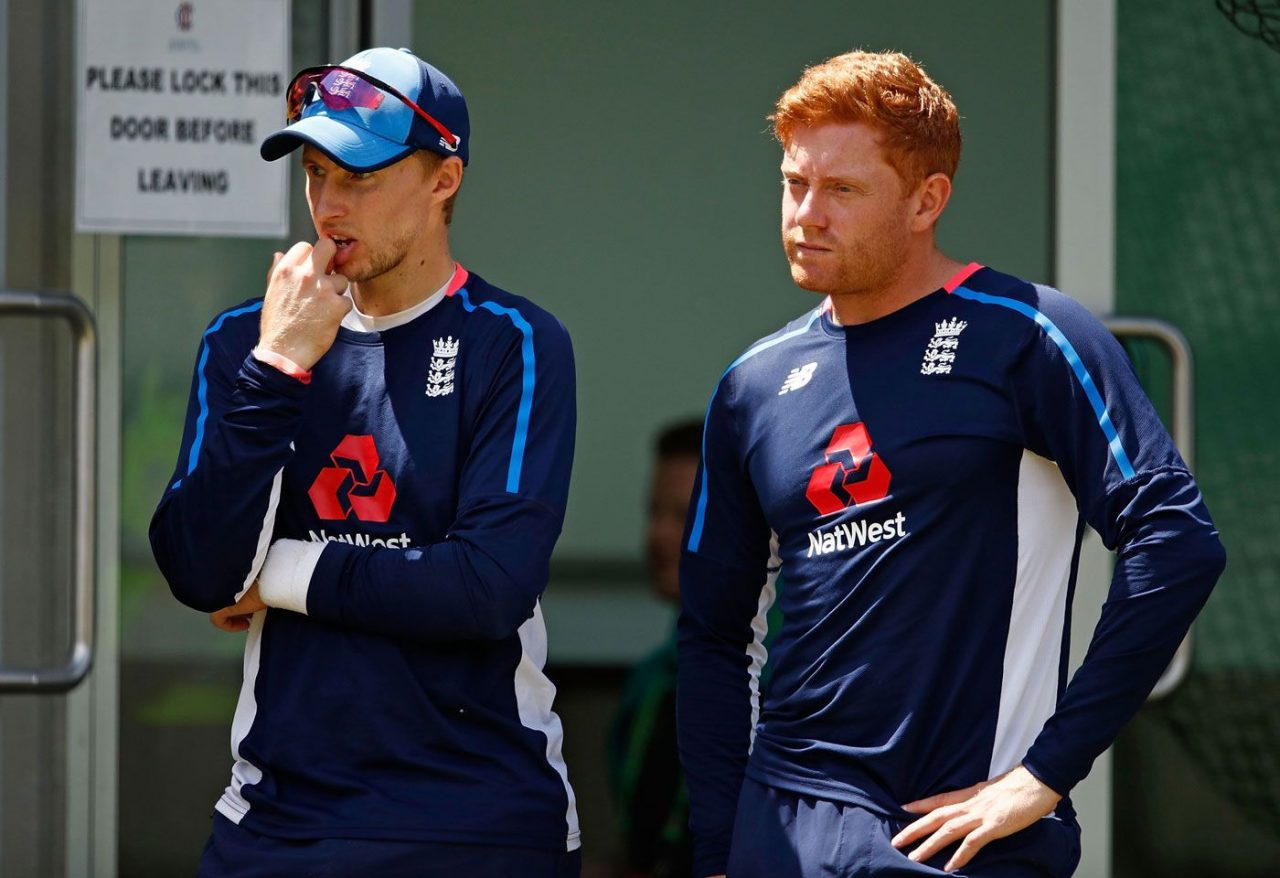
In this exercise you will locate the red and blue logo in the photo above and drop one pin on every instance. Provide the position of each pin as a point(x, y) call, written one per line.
point(853, 473)
point(354, 484)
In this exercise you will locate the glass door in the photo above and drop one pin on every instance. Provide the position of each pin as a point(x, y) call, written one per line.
point(58, 397)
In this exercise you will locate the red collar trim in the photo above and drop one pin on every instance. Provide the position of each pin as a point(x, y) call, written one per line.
point(961, 276)
point(458, 280)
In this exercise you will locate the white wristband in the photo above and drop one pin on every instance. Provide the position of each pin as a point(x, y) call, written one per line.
point(286, 574)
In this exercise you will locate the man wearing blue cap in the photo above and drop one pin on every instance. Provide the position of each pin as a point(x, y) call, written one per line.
point(373, 474)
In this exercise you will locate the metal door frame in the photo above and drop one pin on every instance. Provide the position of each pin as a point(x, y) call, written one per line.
point(91, 707)
point(1084, 266)
point(4, 139)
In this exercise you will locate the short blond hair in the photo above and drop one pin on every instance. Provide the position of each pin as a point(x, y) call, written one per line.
point(917, 120)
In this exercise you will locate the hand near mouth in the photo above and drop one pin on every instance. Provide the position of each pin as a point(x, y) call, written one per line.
point(340, 244)
point(304, 304)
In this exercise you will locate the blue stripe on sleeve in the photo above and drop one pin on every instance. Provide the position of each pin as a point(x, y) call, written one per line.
point(695, 533)
point(526, 391)
point(1073, 359)
point(202, 384)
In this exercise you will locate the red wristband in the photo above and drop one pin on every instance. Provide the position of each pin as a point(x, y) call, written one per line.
point(282, 364)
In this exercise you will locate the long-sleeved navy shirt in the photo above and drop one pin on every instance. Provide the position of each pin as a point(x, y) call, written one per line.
point(923, 481)
point(428, 464)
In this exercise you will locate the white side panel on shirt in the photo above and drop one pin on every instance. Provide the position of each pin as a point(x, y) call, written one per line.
point(1047, 520)
point(232, 805)
point(534, 696)
point(760, 627)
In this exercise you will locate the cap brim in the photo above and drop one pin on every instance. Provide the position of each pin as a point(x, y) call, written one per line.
point(355, 149)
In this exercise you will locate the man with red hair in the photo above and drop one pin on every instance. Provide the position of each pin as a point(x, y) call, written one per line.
point(918, 455)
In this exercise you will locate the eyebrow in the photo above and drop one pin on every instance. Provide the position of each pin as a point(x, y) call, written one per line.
point(856, 182)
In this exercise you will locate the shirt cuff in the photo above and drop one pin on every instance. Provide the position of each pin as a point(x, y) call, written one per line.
point(283, 364)
point(1051, 779)
point(286, 574)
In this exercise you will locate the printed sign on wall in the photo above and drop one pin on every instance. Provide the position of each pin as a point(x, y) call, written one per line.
point(173, 99)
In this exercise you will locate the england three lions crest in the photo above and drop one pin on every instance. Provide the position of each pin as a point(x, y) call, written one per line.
point(941, 352)
point(440, 372)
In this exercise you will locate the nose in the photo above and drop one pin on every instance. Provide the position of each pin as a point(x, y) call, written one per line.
point(809, 210)
point(328, 202)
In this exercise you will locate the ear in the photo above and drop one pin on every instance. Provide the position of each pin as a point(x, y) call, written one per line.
point(929, 200)
point(447, 179)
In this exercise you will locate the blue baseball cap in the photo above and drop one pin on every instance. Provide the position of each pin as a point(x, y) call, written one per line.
point(372, 110)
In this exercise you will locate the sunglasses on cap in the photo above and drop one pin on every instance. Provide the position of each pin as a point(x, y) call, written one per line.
point(342, 88)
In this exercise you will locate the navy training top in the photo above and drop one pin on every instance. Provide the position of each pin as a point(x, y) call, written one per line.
point(922, 482)
point(431, 461)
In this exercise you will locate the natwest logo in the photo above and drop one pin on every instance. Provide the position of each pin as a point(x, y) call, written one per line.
point(852, 474)
point(354, 484)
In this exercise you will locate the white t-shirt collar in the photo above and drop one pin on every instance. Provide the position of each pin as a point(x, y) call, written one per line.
point(358, 321)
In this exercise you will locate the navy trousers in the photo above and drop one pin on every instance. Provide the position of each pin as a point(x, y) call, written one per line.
point(780, 834)
point(234, 852)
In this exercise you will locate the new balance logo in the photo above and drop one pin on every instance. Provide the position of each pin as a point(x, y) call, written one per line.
point(941, 352)
point(798, 377)
point(440, 373)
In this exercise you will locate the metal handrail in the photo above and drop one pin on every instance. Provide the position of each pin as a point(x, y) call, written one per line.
point(80, 658)
point(1183, 431)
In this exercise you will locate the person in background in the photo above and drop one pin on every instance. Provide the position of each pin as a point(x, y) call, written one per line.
point(644, 766)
